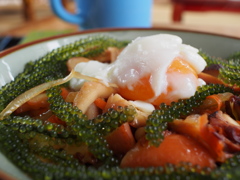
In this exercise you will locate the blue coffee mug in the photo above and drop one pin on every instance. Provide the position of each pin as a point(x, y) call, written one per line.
point(106, 13)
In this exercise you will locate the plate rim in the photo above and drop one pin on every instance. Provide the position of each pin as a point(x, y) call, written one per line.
point(105, 30)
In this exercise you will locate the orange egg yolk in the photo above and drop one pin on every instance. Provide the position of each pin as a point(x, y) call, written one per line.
point(142, 89)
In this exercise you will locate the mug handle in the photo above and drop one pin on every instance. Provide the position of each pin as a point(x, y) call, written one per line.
point(60, 11)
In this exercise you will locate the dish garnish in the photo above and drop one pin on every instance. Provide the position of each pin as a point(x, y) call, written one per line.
point(102, 108)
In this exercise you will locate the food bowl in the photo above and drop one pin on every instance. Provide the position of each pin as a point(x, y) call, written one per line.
point(12, 60)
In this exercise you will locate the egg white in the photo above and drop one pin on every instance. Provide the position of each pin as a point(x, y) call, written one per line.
point(149, 55)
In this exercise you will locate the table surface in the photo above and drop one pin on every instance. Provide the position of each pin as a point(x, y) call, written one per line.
point(56, 24)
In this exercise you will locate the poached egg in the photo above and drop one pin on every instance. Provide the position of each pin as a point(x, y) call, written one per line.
point(155, 69)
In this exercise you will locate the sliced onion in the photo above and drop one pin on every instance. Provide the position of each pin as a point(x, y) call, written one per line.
point(29, 94)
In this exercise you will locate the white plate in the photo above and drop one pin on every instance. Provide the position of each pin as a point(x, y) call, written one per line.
point(12, 60)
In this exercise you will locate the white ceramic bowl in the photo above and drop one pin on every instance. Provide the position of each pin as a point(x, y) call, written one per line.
point(12, 60)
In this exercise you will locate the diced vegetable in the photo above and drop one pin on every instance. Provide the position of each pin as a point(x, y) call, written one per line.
point(174, 149)
point(121, 140)
point(100, 102)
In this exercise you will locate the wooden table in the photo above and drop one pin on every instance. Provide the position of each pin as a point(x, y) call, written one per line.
point(56, 24)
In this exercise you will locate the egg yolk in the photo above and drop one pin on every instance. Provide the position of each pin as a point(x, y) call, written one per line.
point(142, 89)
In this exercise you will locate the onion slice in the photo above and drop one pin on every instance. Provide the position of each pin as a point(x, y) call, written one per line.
point(27, 95)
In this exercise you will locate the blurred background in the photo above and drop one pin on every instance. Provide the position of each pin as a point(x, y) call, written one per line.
point(20, 17)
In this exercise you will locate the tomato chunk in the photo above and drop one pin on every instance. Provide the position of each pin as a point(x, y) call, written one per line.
point(174, 149)
point(121, 140)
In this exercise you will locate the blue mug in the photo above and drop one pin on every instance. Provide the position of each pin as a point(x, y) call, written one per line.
point(106, 13)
